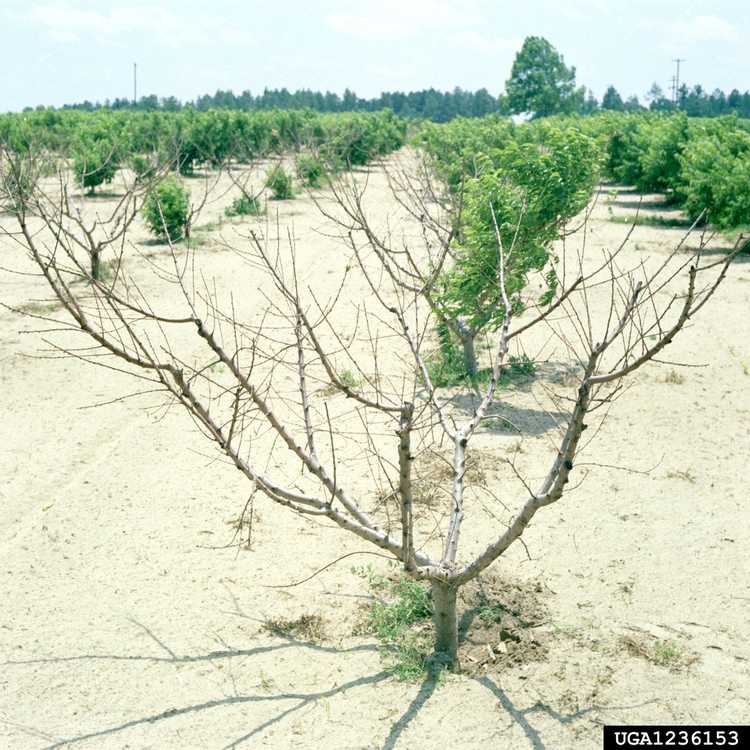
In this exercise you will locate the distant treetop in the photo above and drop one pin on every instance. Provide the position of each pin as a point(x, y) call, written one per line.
point(540, 84)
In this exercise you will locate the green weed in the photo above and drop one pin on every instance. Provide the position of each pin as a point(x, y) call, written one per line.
point(244, 205)
point(400, 619)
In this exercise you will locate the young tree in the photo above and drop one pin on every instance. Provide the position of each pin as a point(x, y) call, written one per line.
point(610, 320)
point(540, 82)
point(94, 163)
point(525, 190)
point(166, 209)
point(22, 195)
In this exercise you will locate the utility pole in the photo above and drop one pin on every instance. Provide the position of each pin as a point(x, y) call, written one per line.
point(135, 84)
point(676, 79)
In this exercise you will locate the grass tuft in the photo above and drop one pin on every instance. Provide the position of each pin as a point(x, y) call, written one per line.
point(400, 618)
point(306, 627)
point(663, 653)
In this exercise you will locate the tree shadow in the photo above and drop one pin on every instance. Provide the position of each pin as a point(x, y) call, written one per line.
point(102, 195)
point(606, 187)
point(519, 716)
point(300, 699)
point(646, 204)
point(427, 688)
point(742, 257)
point(431, 682)
point(507, 419)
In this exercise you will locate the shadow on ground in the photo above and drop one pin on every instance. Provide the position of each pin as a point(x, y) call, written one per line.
point(299, 700)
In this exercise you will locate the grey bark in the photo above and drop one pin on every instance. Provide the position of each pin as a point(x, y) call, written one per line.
point(446, 622)
point(467, 335)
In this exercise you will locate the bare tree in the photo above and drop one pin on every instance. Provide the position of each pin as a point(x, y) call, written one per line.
point(606, 322)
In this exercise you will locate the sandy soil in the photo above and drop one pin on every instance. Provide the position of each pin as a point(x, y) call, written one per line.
point(125, 624)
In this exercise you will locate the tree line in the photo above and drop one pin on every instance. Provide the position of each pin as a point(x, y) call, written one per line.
point(540, 84)
point(430, 104)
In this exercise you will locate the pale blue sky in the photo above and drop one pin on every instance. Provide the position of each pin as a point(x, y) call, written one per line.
point(58, 51)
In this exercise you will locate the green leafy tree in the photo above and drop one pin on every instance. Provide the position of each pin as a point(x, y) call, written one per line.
point(525, 193)
point(612, 100)
point(660, 164)
point(166, 209)
point(716, 177)
point(94, 162)
point(540, 82)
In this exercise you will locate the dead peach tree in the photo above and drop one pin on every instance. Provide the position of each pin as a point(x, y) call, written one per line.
point(227, 356)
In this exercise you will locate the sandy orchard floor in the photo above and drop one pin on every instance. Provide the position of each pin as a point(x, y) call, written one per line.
point(121, 627)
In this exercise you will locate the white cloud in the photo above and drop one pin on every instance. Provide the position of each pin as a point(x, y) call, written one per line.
point(579, 9)
point(484, 45)
point(704, 29)
point(394, 19)
point(67, 24)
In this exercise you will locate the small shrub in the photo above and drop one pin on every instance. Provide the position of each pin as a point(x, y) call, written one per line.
point(310, 170)
point(166, 209)
point(349, 379)
point(279, 182)
point(244, 205)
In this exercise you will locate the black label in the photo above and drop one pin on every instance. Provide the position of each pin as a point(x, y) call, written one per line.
point(655, 737)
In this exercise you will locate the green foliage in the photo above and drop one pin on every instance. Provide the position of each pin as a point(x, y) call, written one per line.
point(716, 177)
point(540, 82)
point(310, 170)
point(166, 209)
point(660, 159)
point(612, 100)
point(143, 166)
point(190, 138)
point(446, 365)
point(529, 190)
point(349, 379)
point(279, 182)
point(531, 179)
point(702, 165)
point(359, 139)
point(244, 205)
point(447, 369)
point(94, 162)
point(456, 148)
point(401, 605)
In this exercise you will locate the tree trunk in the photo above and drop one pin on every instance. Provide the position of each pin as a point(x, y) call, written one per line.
point(467, 335)
point(446, 623)
point(95, 266)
